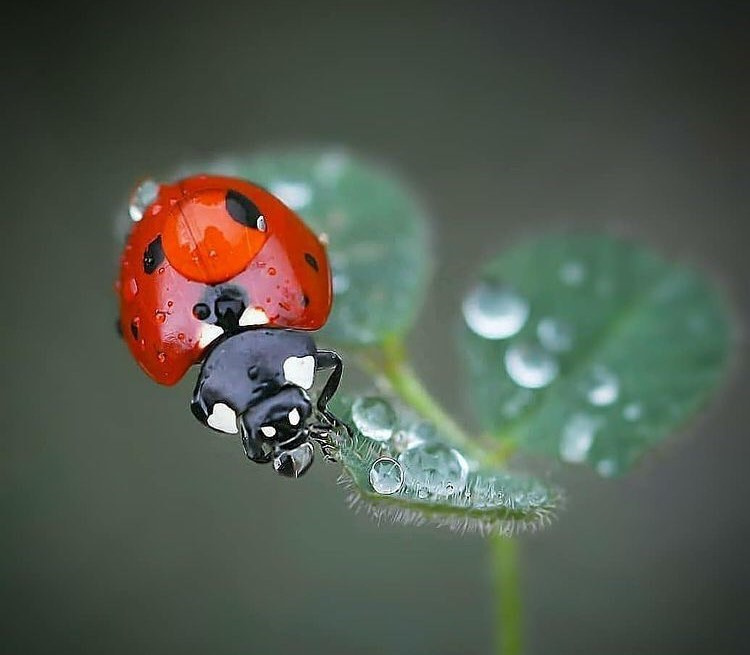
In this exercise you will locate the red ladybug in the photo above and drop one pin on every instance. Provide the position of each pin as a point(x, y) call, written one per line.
point(208, 260)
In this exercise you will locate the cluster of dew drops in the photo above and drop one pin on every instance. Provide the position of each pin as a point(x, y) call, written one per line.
point(496, 311)
point(421, 465)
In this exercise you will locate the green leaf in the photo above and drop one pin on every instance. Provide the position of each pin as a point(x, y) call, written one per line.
point(398, 467)
point(377, 232)
point(591, 349)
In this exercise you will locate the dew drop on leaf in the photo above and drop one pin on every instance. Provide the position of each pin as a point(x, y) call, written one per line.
point(295, 195)
point(374, 418)
point(632, 411)
point(436, 468)
point(555, 334)
point(603, 386)
point(494, 311)
point(578, 437)
point(572, 273)
point(530, 366)
point(386, 476)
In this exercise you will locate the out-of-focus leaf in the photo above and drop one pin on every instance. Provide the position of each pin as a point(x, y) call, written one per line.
point(377, 232)
point(591, 349)
point(398, 467)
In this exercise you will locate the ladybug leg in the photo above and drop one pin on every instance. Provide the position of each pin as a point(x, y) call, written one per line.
point(329, 359)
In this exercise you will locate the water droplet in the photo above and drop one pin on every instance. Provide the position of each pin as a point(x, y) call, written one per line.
point(161, 317)
point(386, 476)
point(603, 386)
point(142, 197)
point(162, 357)
point(530, 366)
point(435, 468)
point(578, 437)
point(606, 468)
point(414, 435)
point(632, 411)
point(295, 195)
point(271, 271)
point(555, 334)
point(374, 418)
point(572, 273)
point(131, 288)
point(494, 311)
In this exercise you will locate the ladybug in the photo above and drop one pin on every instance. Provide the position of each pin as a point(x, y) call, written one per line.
point(219, 272)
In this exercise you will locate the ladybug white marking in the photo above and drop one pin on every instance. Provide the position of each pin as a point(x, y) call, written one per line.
point(253, 316)
point(268, 431)
point(300, 370)
point(209, 333)
point(223, 418)
point(294, 417)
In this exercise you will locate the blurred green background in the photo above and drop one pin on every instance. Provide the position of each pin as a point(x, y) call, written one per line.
point(128, 528)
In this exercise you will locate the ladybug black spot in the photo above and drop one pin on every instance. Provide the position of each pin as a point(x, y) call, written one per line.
point(242, 209)
point(201, 311)
point(305, 300)
point(134, 329)
point(153, 256)
point(311, 261)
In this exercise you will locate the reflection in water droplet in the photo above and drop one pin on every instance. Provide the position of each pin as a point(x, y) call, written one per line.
point(572, 273)
point(374, 418)
point(386, 476)
point(578, 437)
point(142, 197)
point(632, 411)
point(606, 468)
point(494, 311)
point(295, 195)
point(434, 468)
point(603, 386)
point(530, 366)
point(555, 334)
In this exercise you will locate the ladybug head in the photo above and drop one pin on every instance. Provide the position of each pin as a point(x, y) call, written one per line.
point(212, 234)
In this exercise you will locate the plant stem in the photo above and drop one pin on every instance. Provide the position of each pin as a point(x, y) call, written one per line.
point(406, 384)
point(507, 585)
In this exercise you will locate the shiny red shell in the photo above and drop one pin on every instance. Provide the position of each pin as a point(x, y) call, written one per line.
point(188, 244)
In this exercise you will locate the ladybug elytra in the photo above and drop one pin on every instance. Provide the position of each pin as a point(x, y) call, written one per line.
point(219, 271)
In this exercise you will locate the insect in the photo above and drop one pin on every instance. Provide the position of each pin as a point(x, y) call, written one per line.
point(217, 271)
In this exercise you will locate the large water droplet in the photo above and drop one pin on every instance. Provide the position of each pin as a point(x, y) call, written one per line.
point(603, 386)
point(374, 418)
point(434, 468)
point(295, 195)
point(572, 273)
point(578, 437)
point(632, 411)
point(555, 334)
point(386, 476)
point(142, 197)
point(494, 311)
point(530, 366)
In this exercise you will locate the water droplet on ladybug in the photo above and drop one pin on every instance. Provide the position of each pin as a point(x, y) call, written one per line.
point(272, 271)
point(161, 317)
point(161, 357)
point(132, 288)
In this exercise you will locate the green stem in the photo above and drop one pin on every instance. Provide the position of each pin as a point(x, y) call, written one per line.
point(507, 583)
point(406, 384)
